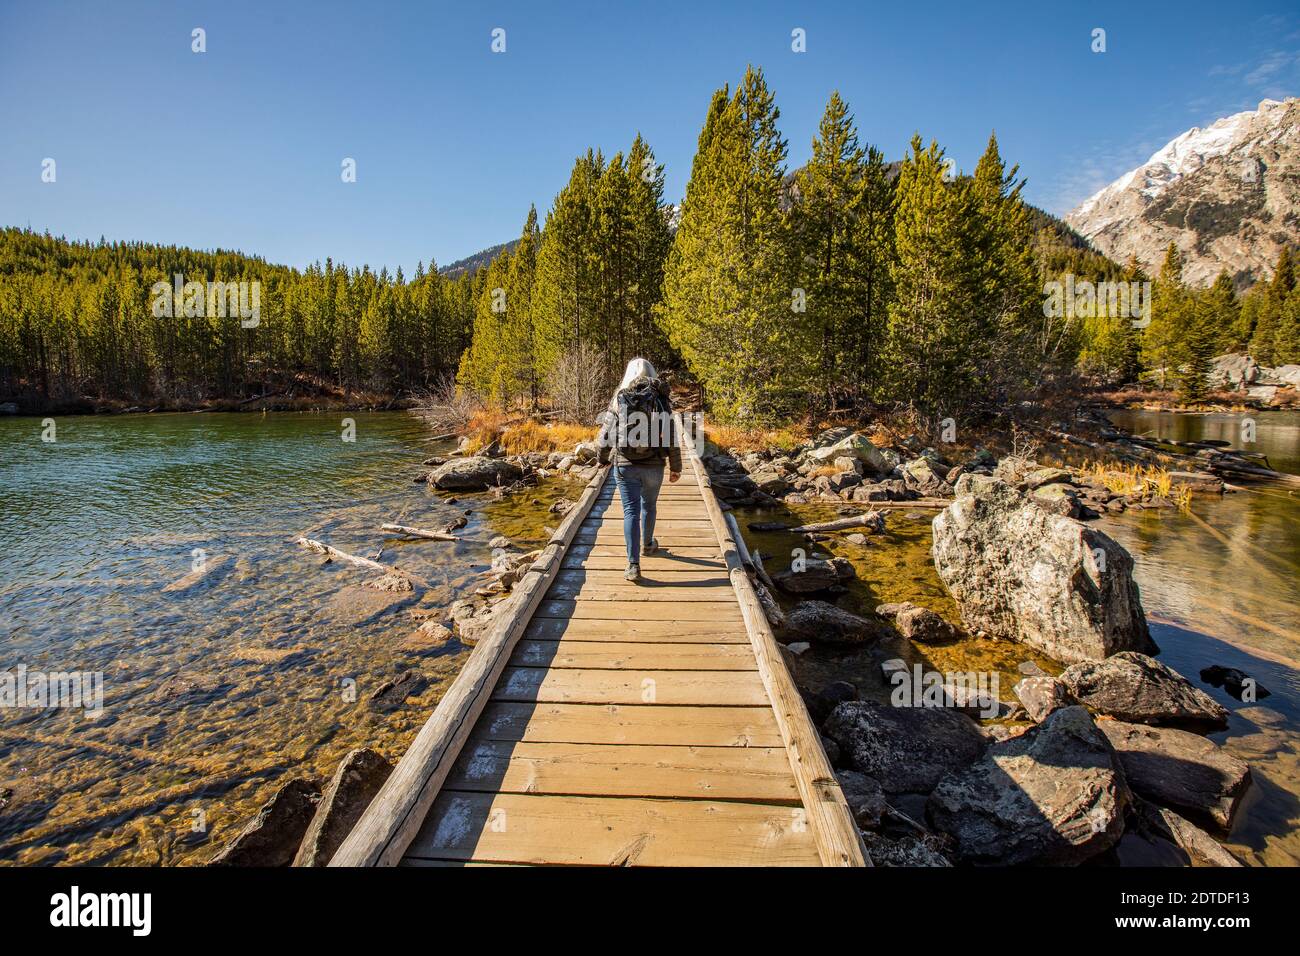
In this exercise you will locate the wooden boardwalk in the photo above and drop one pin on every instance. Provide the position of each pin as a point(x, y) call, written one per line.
point(616, 723)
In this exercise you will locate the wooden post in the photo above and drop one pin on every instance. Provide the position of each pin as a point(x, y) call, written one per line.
point(835, 831)
point(396, 814)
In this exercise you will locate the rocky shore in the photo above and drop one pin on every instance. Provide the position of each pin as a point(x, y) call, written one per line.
point(1104, 760)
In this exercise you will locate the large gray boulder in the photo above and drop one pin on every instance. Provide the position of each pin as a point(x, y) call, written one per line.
point(906, 749)
point(474, 474)
point(852, 446)
point(1180, 770)
point(1139, 689)
point(272, 837)
point(1055, 795)
point(354, 784)
point(1021, 573)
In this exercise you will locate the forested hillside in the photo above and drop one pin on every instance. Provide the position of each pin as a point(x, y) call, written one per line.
point(850, 281)
point(77, 319)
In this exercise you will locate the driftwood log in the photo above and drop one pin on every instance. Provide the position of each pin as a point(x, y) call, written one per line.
point(417, 532)
point(872, 520)
point(321, 548)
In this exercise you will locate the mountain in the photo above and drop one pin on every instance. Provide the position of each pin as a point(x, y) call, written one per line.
point(479, 259)
point(1227, 195)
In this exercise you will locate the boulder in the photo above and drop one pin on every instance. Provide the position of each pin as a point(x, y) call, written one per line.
point(817, 575)
point(824, 622)
point(355, 783)
point(1139, 689)
point(1054, 795)
point(770, 482)
point(864, 796)
point(1285, 375)
point(853, 446)
point(917, 623)
point(1198, 482)
point(1020, 573)
point(1180, 770)
point(823, 702)
point(1201, 848)
point(475, 474)
point(906, 749)
point(1042, 477)
point(921, 476)
point(272, 837)
point(1042, 696)
point(1234, 371)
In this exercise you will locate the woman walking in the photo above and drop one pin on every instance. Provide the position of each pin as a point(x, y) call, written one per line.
point(639, 434)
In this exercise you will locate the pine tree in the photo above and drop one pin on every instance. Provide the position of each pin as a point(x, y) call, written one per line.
point(939, 336)
point(728, 285)
point(1010, 289)
point(1168, 303)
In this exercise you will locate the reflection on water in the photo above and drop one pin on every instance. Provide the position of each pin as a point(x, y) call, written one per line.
point(1219, 586)
point(217, 694)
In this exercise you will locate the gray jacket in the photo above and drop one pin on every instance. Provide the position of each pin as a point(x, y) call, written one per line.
point(608, 439)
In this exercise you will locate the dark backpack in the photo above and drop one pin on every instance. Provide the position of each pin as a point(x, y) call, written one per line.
point(641, 430)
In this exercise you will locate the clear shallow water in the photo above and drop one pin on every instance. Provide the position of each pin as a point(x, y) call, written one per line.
point(213, 696)
point(1219, 586)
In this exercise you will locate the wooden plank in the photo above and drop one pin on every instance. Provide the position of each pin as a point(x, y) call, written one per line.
point(612, 831)
point(712, 688)
point(640, 724)
point(717, 611)
point(657, 563)
point(646, 590)
point(707, 552)
point(682, 577)
point(669, 537)
point(656, 632)
point(634, 655)
point(624, 770)
point(399, 808)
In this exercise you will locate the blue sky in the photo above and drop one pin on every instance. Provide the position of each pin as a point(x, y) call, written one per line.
point(241, 146)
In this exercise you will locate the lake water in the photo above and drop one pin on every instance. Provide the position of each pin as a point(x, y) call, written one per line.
point(216, 695)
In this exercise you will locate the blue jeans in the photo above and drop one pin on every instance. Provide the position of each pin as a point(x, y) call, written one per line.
point(638, 487)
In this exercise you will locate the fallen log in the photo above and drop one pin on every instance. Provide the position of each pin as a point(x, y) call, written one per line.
point(873, 520)
point(418, 532)
point(321, 548)
point(775, 616)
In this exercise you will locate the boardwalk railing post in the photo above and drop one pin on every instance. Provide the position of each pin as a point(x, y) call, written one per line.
point(839, 843)
point(393, 818)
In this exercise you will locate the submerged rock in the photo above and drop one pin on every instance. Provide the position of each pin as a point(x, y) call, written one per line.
point(392, 694)
point(1055, 795)
point(1020, 573)
point(474, 474)
point(272, 837)
point(906, 749)
point(824, 622)
point(1237, 683)
point(1180, 770)
point(918, 623)
point(1139, 689)
point(355, 783)
point(817, 575)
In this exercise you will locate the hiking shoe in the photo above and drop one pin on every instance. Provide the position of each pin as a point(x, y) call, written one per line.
point(650, 547)
point(632, 573)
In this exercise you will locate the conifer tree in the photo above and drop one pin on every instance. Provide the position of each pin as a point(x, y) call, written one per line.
point(939, 336)
point(1160, 342)
point(728, 286)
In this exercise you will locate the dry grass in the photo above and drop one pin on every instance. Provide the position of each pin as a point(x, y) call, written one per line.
point(532, 436)
point(1139, 481)
point(744, 440)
